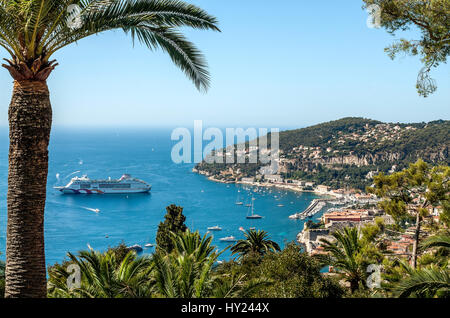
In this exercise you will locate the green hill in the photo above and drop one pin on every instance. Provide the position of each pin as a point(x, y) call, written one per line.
point(348, 152)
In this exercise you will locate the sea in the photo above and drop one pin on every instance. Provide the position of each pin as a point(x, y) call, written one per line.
point(74, 222)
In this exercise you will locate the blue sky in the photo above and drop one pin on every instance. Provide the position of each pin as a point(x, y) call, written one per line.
point(287, 63)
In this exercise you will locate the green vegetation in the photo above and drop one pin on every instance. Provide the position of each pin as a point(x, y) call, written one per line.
point(188, 271)
point(293, 273)
point(432, 19)
point(350, 256)
point(173, 223)
point(430, 279)
point(348, 152)
point(190, 268)
point(412, 192)
point(31, 32)
point(103, 275)
point(255, 242)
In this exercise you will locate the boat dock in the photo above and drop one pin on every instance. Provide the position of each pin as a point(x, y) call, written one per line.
point(315, 207)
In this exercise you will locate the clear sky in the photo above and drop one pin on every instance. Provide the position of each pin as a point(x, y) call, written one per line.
point(287, 63)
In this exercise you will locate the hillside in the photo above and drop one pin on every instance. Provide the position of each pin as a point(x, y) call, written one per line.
point(348, 152)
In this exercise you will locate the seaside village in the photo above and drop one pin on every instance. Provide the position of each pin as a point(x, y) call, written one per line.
point(343, 208)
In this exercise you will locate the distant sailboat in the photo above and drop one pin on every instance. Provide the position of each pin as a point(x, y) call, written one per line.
point(238, 201)
point(253, 216)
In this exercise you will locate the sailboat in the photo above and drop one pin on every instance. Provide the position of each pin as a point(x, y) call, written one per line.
point(253, 216)
point(238, 202)
point(248, 205)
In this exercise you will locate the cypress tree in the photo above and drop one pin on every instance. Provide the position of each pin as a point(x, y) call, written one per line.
point(173, 222)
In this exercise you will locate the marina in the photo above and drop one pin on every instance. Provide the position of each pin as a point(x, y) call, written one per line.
point(315, 207)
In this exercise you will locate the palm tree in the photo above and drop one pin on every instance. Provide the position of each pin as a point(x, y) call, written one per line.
point(439, 240)
point(237, 286)
point(427, 282)
point(255, 242)
point(103, 275)
point(186, 271)
point(31, 31)
point(343, 255)
point(430, 281)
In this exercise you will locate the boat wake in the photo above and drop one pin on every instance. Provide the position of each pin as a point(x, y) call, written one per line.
point(91, 209)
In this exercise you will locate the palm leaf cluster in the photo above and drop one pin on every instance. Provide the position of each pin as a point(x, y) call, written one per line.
point(430, 281)
point(256, 242)
point(427, 282)
point(103, 275)
point(186, 272)
point(31, 31)
point(343, 255)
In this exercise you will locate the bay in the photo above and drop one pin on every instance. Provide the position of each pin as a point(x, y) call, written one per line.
point(71, 223)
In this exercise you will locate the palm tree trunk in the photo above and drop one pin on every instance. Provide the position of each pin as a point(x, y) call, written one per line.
point(416, 242)
point(30, 118)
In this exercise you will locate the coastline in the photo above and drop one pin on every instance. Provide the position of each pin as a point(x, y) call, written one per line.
point(284, 186)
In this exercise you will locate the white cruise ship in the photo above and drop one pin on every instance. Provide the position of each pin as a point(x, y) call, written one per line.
point(126, 184)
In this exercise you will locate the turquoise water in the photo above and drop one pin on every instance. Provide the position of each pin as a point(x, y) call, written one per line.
point(70, 225)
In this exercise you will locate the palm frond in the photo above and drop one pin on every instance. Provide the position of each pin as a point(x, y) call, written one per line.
point(426, 281)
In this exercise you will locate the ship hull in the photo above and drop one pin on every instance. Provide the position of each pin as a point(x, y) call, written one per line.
point(104, 191)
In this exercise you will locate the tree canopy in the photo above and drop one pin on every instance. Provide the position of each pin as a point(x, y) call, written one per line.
point(31, 31)
point(173, 223)
point(432, 19)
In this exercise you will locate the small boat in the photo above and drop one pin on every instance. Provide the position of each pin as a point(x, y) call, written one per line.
point(137, 248)
point(149, 245)
point(228, 239)
point(280, 205)
point(254, 216)
point(215, 228)
point(252, 228)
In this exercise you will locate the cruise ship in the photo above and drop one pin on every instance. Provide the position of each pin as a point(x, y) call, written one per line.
point(126, 184)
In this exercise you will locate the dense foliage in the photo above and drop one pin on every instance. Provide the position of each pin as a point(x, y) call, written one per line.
point(256, 242)
point(368, 146)
point(414, 192)
point(173, 223)
point(293, 273)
